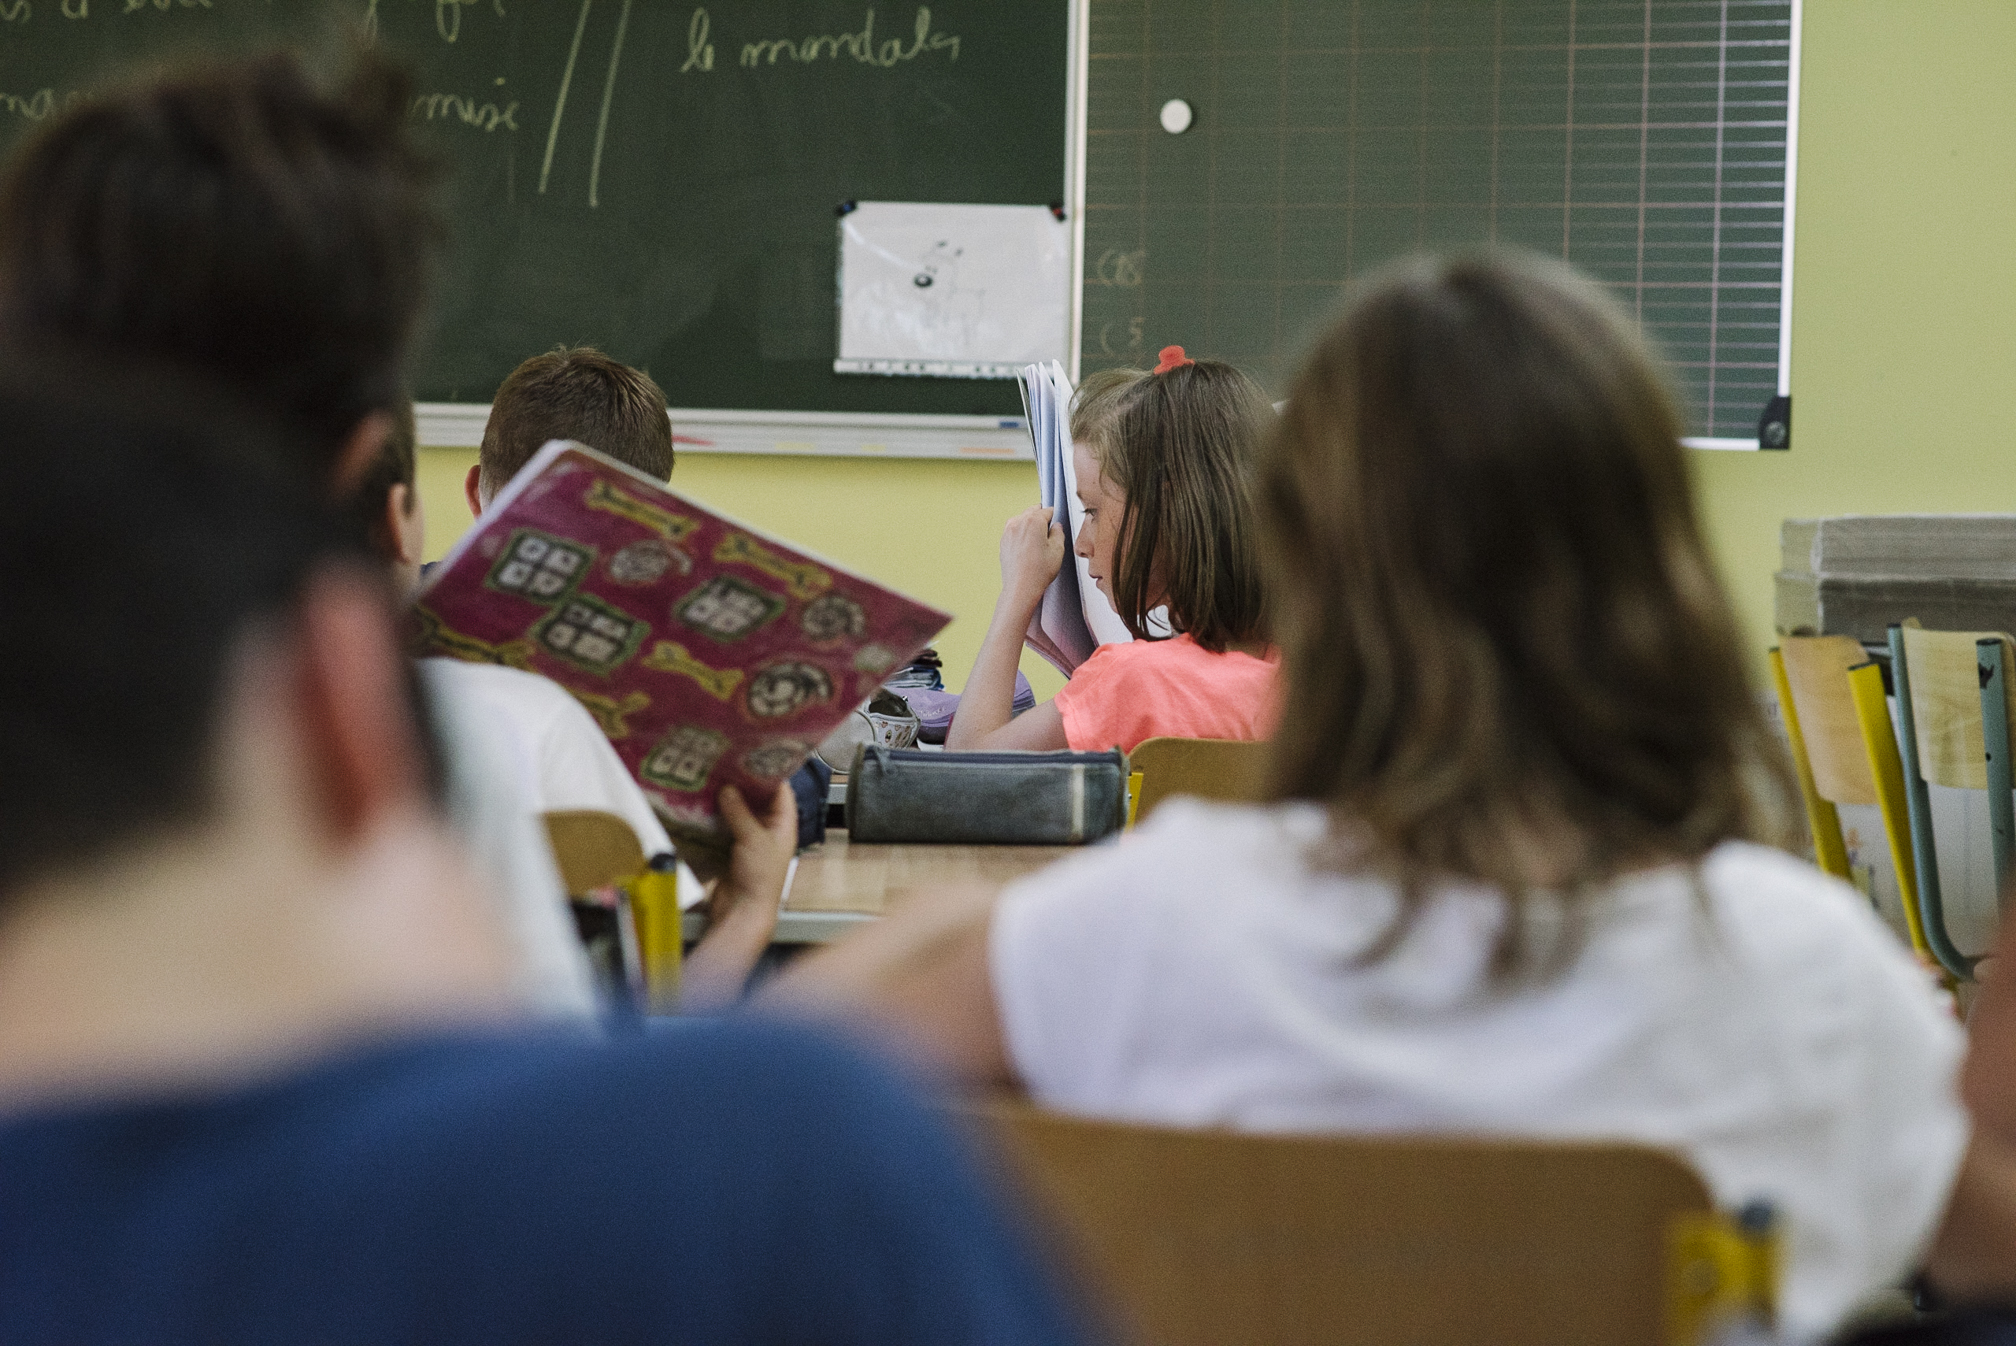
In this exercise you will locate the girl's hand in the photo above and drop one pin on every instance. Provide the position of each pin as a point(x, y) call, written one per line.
point(1032, 552)
point(762, 855)
point(742, 913)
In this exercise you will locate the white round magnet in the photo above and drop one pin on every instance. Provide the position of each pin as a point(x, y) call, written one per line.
point(1176, 116)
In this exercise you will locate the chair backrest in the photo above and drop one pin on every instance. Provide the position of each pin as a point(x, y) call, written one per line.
point(1207, 768)
point(1816, 667)
point(1211, 1237)
point(593, 849)
point(1946, 704)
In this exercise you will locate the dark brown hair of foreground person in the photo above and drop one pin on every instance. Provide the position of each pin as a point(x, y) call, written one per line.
point(241, 218)
point(576, 393)
point(1507, 656)
point(397, 464)
point(1179, 446)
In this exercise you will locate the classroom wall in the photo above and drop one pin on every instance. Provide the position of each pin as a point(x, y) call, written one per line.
point(1904, 286)
point(1904, 330)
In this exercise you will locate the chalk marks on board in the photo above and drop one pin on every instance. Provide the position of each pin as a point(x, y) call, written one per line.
point(861, 47)
point(602, 120)
point(34, 107)
point(699, 51)
point(1119, 267)
point(560, 100)
point(447, 14)
point(485, 115)
point(608, 96)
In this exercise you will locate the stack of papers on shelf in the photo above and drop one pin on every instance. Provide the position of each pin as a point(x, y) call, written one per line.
point(1927, 546)
point(1857, 574)
point(1075, 617)
point(710, 653)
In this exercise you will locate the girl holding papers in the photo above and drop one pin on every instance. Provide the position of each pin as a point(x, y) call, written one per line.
point(1164, 473)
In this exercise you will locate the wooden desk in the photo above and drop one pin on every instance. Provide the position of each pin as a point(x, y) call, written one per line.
point(840, 885)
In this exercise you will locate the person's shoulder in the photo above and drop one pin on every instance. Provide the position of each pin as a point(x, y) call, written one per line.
point(1811, 929)
point(733, 1061)
point(1766, 885)
point(462, 676)
point(1131, 663)
point(1189, 848)
point(1200, 825)
point(677, 1107)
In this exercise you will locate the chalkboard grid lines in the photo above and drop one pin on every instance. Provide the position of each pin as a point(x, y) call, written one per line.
point(1644, 140)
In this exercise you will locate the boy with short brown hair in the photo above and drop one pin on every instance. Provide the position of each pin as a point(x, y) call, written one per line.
point(578, 393)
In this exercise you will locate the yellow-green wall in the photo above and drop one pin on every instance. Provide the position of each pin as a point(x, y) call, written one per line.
point(1904, 295)
point(1904, 331)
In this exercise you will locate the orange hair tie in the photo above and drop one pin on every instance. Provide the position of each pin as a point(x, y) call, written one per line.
point(1172, 357)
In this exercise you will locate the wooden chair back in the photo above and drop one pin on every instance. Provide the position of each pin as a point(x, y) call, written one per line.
point(1816, 668)
point(1205, 768)
point(1830, 848)
point(593, 849)
point(1955, 710)
point(1210, 1238)
point(1845, 751)
point(1946, 704)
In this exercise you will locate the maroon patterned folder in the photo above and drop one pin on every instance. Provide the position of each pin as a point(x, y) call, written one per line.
point(710, 653)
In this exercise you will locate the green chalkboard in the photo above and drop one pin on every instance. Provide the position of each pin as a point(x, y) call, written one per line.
point(1644, 140)
point(658, 179)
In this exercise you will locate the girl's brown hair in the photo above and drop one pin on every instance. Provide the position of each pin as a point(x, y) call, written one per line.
point(1179, 446)
point(1507, 656)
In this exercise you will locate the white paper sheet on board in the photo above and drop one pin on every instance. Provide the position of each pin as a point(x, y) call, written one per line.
point(952, 291)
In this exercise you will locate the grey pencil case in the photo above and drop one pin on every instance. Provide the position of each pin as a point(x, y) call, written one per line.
point(1009, 798)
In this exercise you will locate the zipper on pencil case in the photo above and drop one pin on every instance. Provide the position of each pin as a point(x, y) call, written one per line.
point(995, 758)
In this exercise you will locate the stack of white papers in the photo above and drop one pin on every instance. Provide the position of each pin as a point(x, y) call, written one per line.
point(1075, 617)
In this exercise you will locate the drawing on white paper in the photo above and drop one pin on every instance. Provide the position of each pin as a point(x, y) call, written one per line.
point(950, 315)
point(959, 291)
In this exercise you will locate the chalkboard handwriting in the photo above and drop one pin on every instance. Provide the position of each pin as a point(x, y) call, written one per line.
point(448, 15)
point(1133, 338)
point(21, 11)
point(602, 121)
point(861, 46)
point(482, 116)
point(34, 106)
point(699, 51)
point(1119, 267)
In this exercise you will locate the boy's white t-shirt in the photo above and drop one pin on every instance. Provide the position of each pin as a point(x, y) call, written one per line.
point(1199, 973)
point(573, 764)
point(493, 800)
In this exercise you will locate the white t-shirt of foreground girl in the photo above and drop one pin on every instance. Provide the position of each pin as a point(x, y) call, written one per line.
point(1200, 973)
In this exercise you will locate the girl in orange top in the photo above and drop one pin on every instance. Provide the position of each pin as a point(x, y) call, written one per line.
point(1163, 461)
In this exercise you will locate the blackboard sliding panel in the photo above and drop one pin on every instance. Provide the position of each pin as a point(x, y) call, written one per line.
point(820, 434)
point(1648, 142)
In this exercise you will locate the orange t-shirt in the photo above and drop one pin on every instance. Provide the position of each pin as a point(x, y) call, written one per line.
point(1146, 689)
